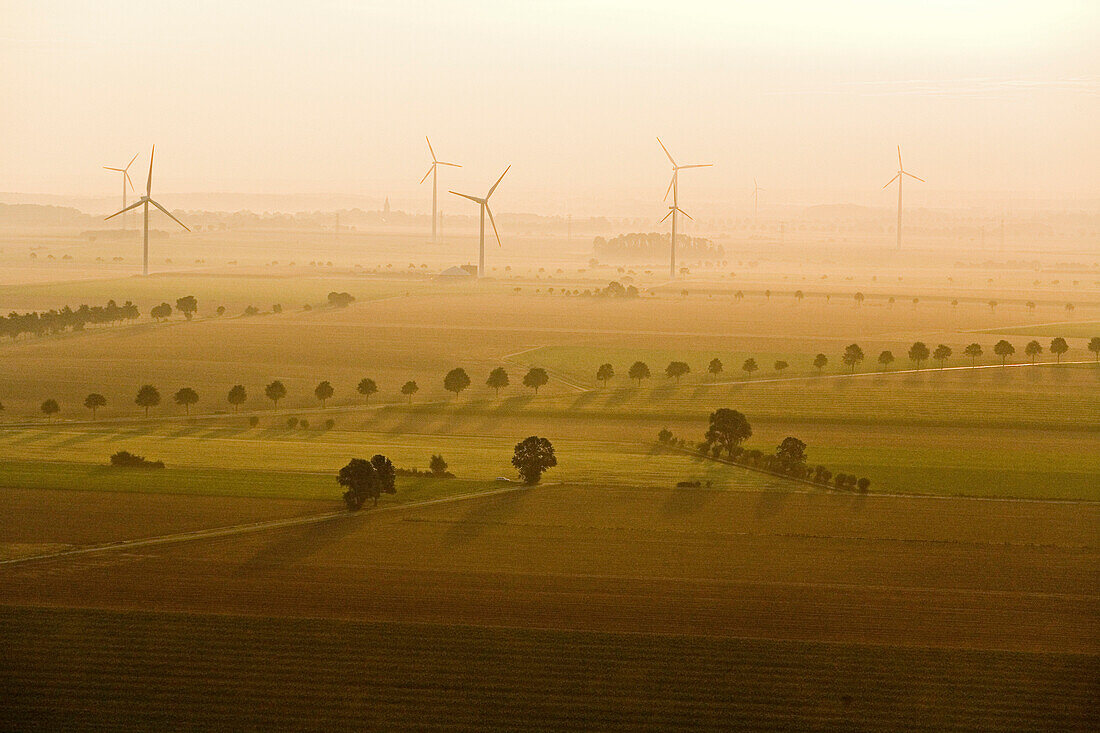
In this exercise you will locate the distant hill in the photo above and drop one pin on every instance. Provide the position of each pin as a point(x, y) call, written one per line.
point(37, 215)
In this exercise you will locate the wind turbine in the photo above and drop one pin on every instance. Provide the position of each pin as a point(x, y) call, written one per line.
point(755, 196)
point(674, 188)
point(433, 172)
point(899, 177)
point(484, 203)
point(145, 201)
point(125, 179)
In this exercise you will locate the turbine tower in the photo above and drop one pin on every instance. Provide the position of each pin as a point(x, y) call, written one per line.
point(145, 201)
point(125, 179)
point(899, 177)
point(673, 187)
point(433, 172)
point(484, 203)
point(755, 196)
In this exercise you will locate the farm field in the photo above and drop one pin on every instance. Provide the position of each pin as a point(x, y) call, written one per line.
point(135, 670)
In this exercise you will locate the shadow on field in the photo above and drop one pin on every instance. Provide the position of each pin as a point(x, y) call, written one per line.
point(683, 502)
point(483, 513)
point(662, 393)
point(187, 431)
point(127, 434)
point(78, 438)
point(298, 543)
point(771, 502)
point(29, 437)
point(619, 396)
point(514, 404)
point(583, 400)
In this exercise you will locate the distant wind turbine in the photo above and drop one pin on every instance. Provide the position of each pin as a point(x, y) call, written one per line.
point(673, 187)
point(755, 196)
point(433, 172)
point(899, 177)
point(145, 201)
point(484, 203)
point(125, 179)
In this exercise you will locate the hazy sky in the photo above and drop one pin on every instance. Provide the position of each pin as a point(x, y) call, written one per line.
point(314, 96)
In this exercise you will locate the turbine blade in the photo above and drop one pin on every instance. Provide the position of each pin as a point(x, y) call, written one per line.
point(132, 161)
point(430, 169)
point(169, 215)
point(494, 188)
point(669, 189)
point(670, 160)
point(475, 199)
point(896, 177)
point(697, 165)
point(493, 222)
point(149, 183)
point(912, 176)
point(134, 205)
point(430, 148)
point(453, 165)
point(684, 213)
point(129, 180)
point(109, 168)
point(665, 216)
point(900, 166)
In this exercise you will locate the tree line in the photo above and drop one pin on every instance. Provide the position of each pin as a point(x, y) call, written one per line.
point(35, 323)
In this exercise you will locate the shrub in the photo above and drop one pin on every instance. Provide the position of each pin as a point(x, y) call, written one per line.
point(291, 422)
point(864, 484)
point(253, 421)
point(304, 424)
point(330, 424)
point(665, 436)
point(126, 459)
point(688, 484)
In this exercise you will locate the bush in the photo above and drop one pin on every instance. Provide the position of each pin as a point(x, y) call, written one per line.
point(864, 484)
point(665, 436)
point(303, 424)
point(292, 422)
point(688, 484)
point(253, 421)
point(330, 424)
point(126, 459)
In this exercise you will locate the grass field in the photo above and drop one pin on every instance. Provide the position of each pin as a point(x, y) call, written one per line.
point(131, 671)
point(1079, 330)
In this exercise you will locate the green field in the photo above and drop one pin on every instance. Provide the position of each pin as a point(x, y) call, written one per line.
point(1076, 330)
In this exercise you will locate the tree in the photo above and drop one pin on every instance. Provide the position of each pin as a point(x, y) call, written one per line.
point(605, 373)
point(532, 457)
point(94, 401)
point(147, 397)
point(639, 370)
point(942, 354)
point(187, 305)
point(1004, 350)
point(367, 387)
point(237, 396)
point(715, 367)
point(781, 365)
point(498, 379)
point(408, 389)
point(676, 369)
point(728, 428)
point(918, 353)
point(50, 408)
point(186, 396)
point(160, 312)
point(749, 366)
point(973, 351)
point(859, 297)
point(820, 361)
point(323, 392)
point(886, 358)
point(535, 378)
point(1094, 346)
point(275, 392)
point(798, 295)
point(362, 481)
point(864, 484)
point(791, 453)
point(456, 380)
point(1058, 347)
point(1033, 349)
point(853, 355)
point(437, 465)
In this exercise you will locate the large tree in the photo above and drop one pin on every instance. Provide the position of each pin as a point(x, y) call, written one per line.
point(886, 358)
point(942, 354)
point(50, 408)
point(1004, 350)
point(791, 453)
point(918, 353)
point(532, 457)
point(94, 401)
point(497, 380)
point(728, 428)
point(323, 392)
point(820, 361)
point(1058, 347)
point(367, 387)
point(605, 373)
point(456, 380)
point(147, 397)
point(187, 305)
point(365, 479)
point(676, 369)
point(974, 351)
point(186, 396)
point(749, 366)
point(853, 355)
point(1032, 349)
point(275, 392)
point(160, 312)
point(638, 371)
point(715, 367)
point(408, 389)
point(1094, 346)
point(237, 396)
point(536, 377)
